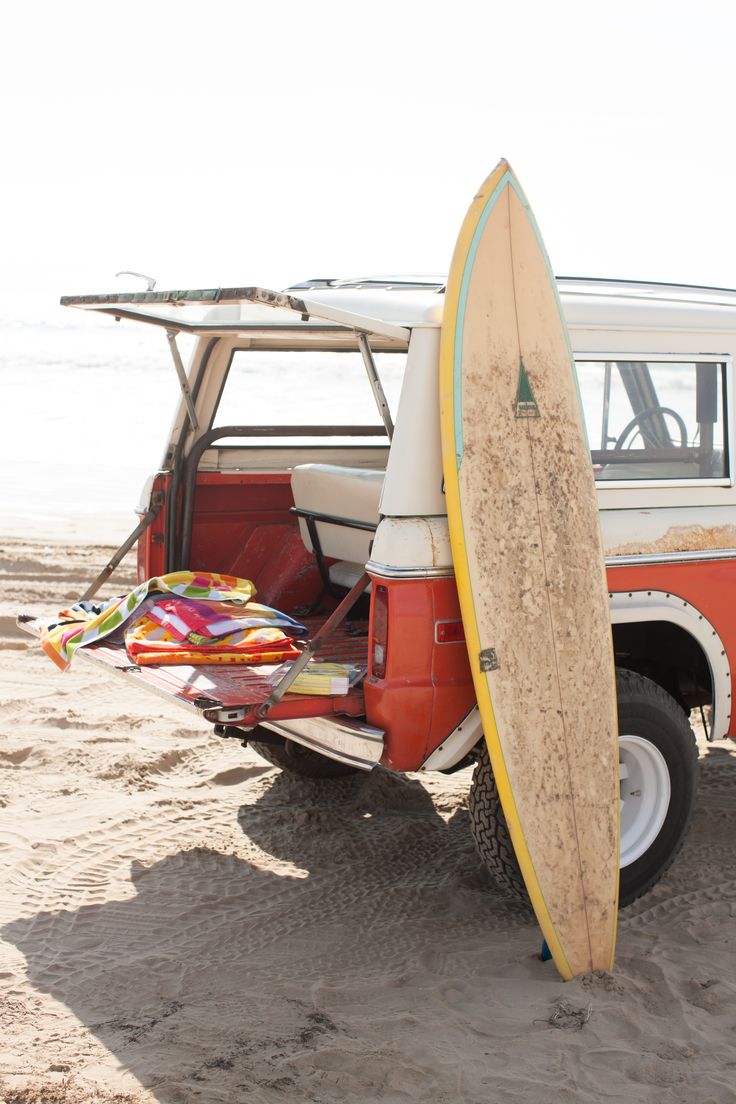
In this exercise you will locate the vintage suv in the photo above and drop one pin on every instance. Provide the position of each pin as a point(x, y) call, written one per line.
point(305, 455)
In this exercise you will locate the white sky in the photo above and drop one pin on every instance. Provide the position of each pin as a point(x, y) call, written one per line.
point(243, 142)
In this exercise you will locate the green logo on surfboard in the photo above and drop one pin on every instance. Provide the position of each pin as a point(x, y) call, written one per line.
point(525, 405)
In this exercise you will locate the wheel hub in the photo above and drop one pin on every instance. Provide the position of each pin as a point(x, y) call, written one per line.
point(645, 795)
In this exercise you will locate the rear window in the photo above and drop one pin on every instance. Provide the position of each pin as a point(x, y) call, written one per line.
point(655, 419)
point(306, 389)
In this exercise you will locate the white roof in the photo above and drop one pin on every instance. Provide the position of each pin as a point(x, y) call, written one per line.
point(586, 304)
point(391, 306)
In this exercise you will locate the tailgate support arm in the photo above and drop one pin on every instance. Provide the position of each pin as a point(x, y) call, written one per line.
point(375, 381)
point(183, 381)
point(336, 618)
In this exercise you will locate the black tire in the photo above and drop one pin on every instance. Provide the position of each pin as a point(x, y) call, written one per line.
point(296, 759)
point(644, 710)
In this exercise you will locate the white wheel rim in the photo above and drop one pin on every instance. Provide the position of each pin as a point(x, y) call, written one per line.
point(645, 795)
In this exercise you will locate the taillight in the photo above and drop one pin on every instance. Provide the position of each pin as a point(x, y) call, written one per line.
point(379, 641)
point(448, 632)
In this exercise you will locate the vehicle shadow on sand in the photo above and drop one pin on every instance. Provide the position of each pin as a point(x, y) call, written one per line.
point(227, 975)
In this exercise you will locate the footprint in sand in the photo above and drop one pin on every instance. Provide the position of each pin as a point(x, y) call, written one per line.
point(15, 758)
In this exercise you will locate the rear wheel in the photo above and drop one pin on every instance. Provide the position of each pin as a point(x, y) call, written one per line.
point(658, 767)
point(296, 759)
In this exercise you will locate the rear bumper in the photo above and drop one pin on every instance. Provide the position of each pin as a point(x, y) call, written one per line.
point(343, 738)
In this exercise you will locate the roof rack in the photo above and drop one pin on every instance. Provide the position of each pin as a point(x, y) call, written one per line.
point(573, 284)
point(643, 286)
point(385, 283)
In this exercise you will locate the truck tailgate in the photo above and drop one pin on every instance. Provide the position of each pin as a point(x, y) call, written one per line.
point(232, 695)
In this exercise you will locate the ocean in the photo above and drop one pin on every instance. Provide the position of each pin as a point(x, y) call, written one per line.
point(87, 405)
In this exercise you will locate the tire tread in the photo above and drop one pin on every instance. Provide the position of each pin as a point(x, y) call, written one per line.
point(488, 824)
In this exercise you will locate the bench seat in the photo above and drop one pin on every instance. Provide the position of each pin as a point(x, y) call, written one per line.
point(350, 496)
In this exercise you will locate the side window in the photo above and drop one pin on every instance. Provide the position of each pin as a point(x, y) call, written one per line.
point(655, 419)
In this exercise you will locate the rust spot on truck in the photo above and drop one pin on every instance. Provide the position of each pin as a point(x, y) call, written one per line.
point(436, 558)
point(681, 538)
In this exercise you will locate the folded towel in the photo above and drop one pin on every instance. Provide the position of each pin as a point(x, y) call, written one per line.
point(198, 622)
point(148, 643)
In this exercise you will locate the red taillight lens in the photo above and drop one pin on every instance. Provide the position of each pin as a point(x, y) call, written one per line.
point(449, 632)
point(379, 639)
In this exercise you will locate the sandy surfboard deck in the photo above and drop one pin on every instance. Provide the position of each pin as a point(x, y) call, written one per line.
point(530, 572)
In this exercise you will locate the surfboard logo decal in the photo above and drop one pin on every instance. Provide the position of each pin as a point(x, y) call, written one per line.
point(525, 405)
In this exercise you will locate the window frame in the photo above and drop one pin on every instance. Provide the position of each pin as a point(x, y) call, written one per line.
point(597, 356)
point(297, 348)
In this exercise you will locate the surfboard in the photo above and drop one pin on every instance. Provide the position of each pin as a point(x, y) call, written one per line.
point(529, 565)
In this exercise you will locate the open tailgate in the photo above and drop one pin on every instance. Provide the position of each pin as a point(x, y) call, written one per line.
point(232, 695)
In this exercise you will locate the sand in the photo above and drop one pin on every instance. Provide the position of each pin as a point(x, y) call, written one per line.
point(181, 922)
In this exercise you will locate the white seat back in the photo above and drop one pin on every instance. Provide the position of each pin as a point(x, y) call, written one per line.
point(347, 494)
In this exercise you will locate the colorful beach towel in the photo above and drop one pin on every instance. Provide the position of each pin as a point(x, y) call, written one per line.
point(201, 622)
point(61, 640)
point(149, 643)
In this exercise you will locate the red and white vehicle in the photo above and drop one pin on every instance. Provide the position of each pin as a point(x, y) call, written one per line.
point(336, 511)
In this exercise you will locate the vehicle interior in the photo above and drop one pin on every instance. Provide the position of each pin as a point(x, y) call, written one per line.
point(285, 495)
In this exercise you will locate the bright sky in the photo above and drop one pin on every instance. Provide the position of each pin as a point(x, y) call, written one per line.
point(244, 142)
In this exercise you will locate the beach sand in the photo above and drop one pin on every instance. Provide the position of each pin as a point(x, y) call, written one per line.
point(182, 922)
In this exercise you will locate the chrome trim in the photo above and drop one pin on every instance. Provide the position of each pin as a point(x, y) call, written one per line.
point(641, 559)
point(150, 280)
point(343, 738)
point(386, 571)
point(656, 484)
point(659, 357)
point(457, 745)
point(634, 559)
point(642, 327)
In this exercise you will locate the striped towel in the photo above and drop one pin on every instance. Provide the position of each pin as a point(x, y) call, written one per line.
point(201, 622)
point(60, 640)
point(150, 644)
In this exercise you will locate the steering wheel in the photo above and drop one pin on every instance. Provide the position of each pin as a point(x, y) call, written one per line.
point(645, 415)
